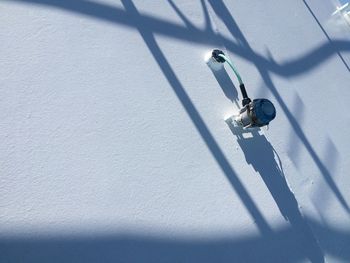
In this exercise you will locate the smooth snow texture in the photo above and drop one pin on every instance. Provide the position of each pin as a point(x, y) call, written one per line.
point(114, 146)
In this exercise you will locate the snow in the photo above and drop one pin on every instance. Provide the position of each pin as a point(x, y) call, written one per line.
point(114, 145)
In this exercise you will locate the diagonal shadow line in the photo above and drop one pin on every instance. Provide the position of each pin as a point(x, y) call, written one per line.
point(208, 25)
point(325, 33)
point(221, 10)
point(201, 127)
point(114, 14)
point(187, 22)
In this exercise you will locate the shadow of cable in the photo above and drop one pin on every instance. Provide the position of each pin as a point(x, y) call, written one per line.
point(260, 154)
point(325, 33)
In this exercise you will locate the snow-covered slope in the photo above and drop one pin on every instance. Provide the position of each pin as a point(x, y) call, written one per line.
point(114, 146)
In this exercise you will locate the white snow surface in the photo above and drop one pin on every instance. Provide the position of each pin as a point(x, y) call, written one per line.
point(114, 146)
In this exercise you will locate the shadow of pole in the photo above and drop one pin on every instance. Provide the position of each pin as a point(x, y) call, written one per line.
point(260, 154)
point(197, 120)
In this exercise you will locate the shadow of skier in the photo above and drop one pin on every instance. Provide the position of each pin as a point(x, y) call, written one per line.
point(260, 154)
